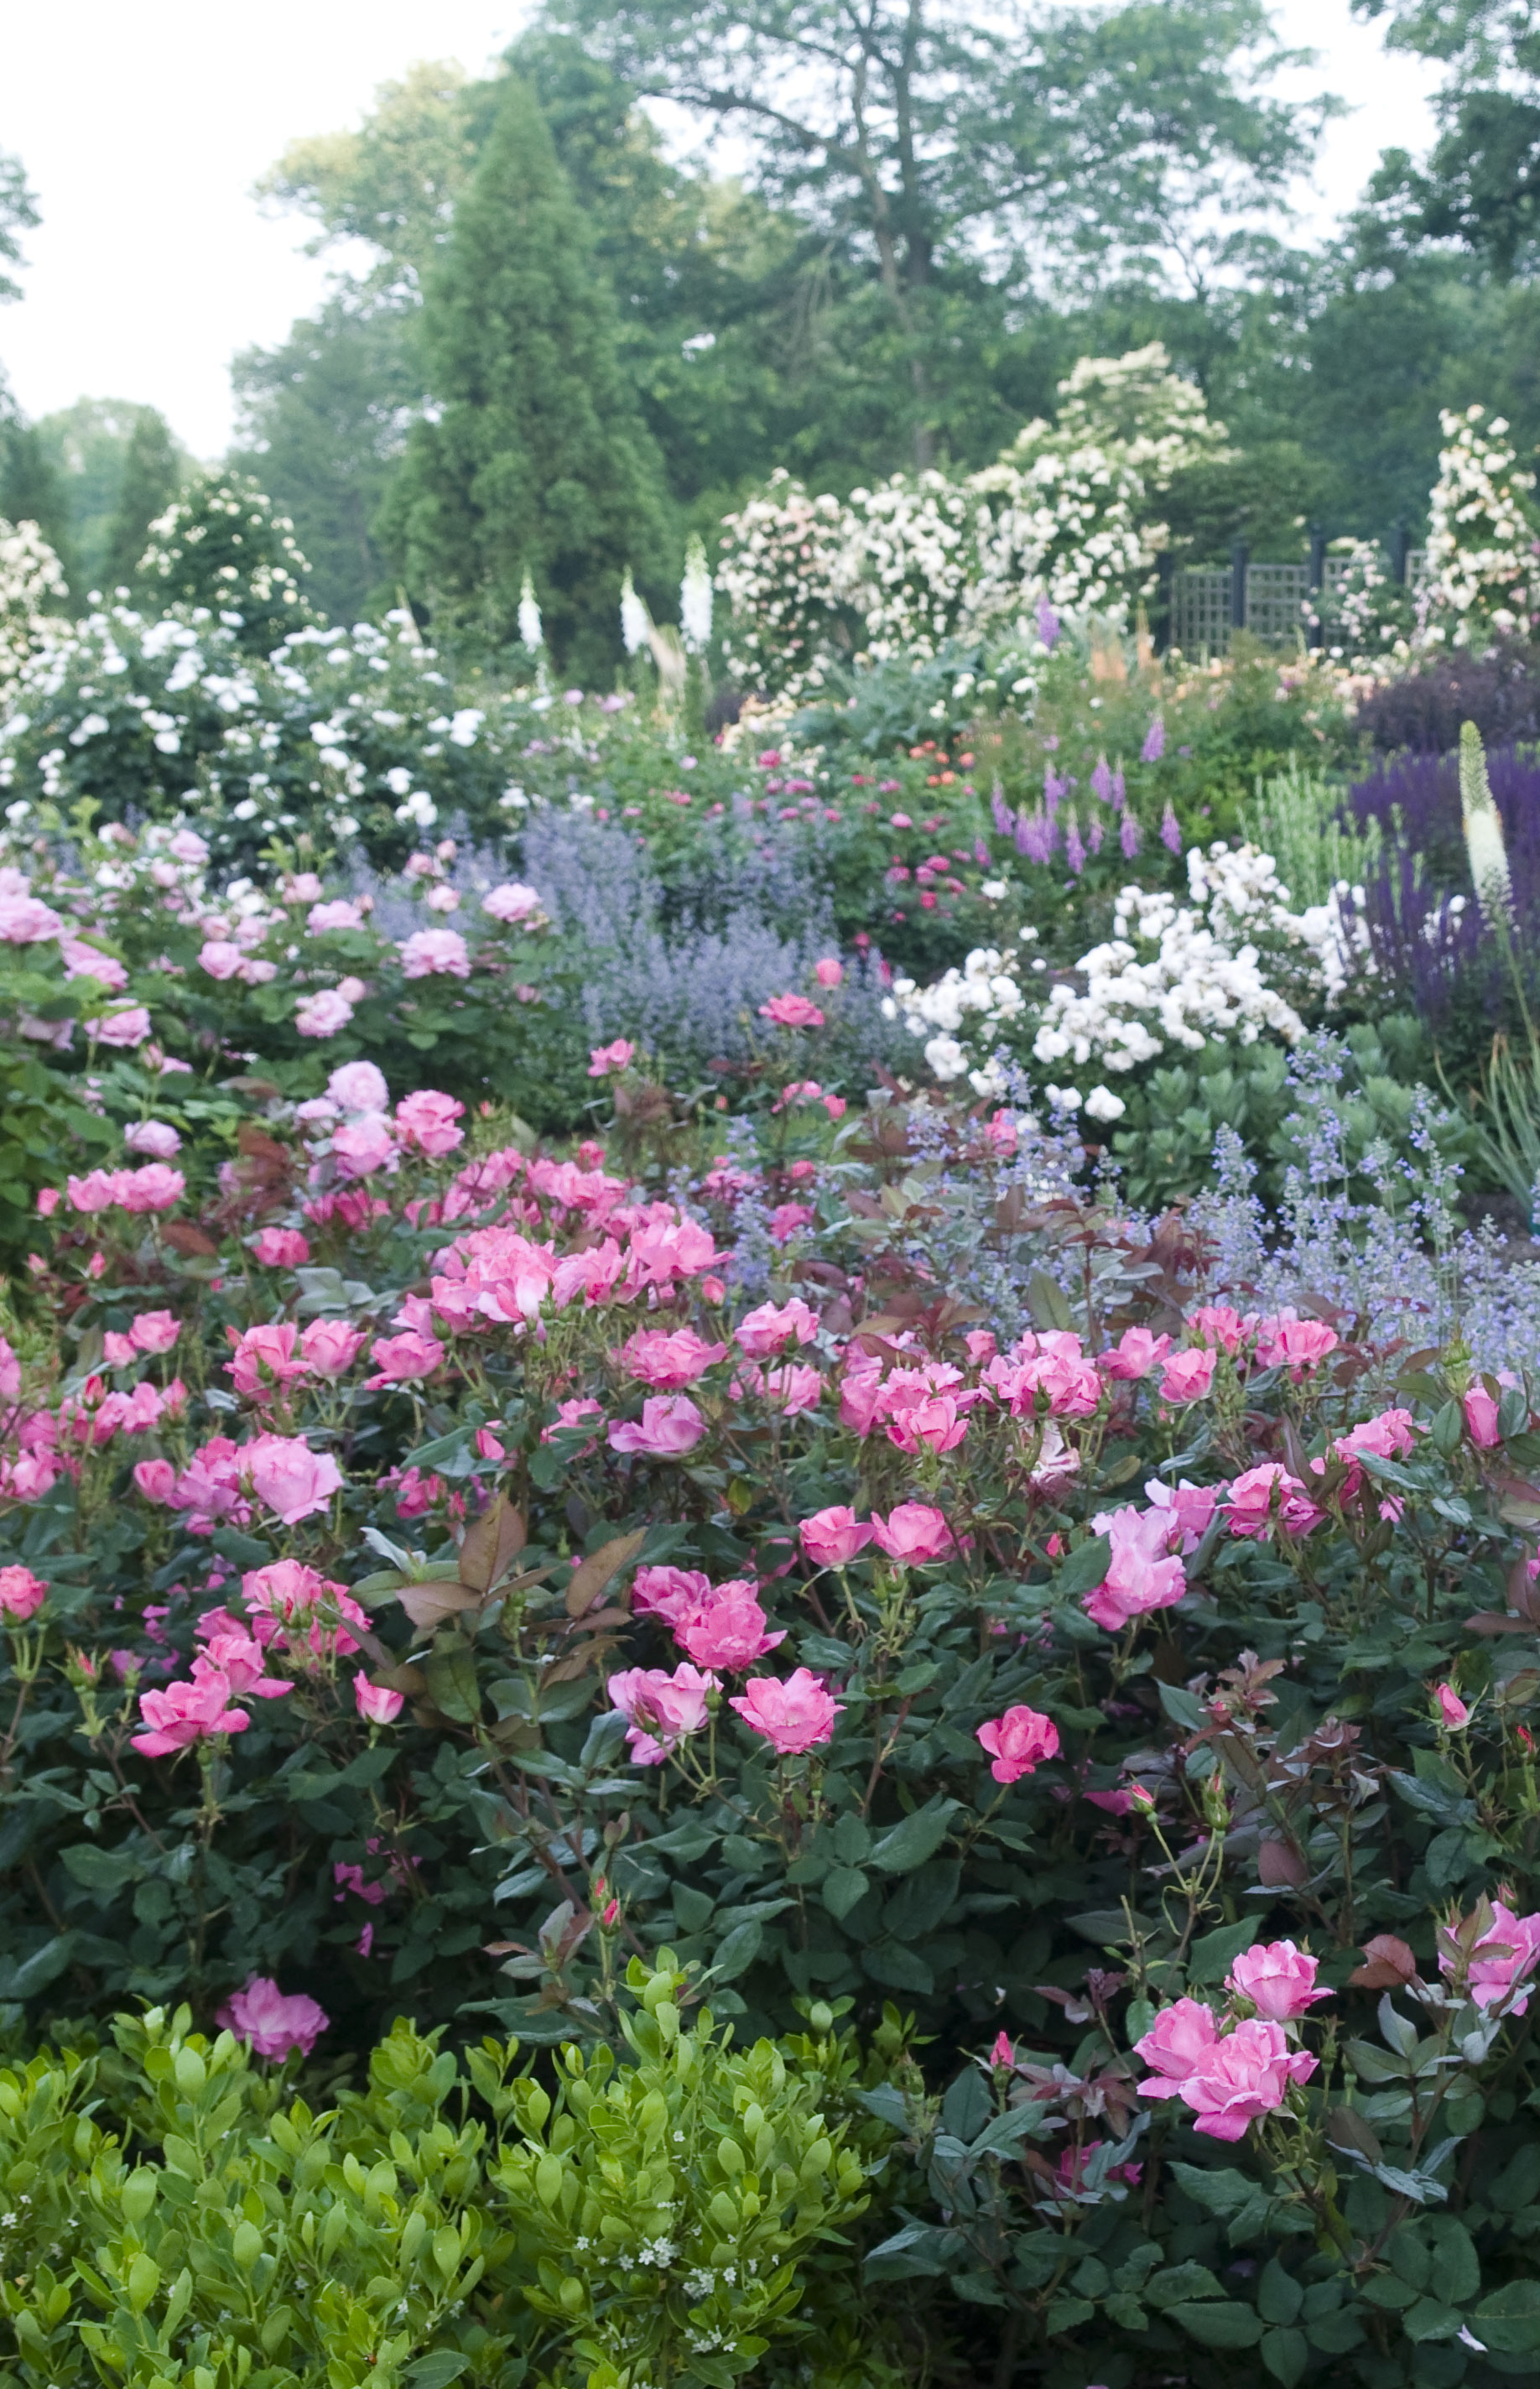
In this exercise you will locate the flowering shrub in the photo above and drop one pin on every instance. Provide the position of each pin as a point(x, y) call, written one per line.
point(527, 1566)
point(1481, 535)
point(31, 585)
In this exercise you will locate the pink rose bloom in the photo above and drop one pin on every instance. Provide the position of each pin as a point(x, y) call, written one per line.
point(376, 1704)
point(665, 1250)
point(912, 1534)
point(670, 1426)
point(97, 1191)
point(1141, 1575)
point(788, 1219)
point(330, 1347)
point(1135, 1354)
point(1480, 1419)
point(860, 1393)
point(153, 1188)
point(793, 1389)
point(356, 1087)
point(266, 1360)
point(581, 1412)
point(1297, 1344)
point(829, 970)
point(1243, 2077)
point(281, 1248)
point(233, 1654)
point(21, 1593)
point(1277, 1978)
point(727, 1628)
point(157, 1138)
point(659, 1709)
point(83, 960)
point(1187, 1510)
point(186, 1713)
point(153, 1330)
point(434, 953)
point(25, 920)
point(792, 1012)
point(399, 1359)
point(1251, 1502)
point(290, 1479)
point(426, 1122)
point(668, 1592)
point(605, 1060)
point(1189, 1376)
point(363, 1146)
point(668, 1360)
point(794, 1715)
point(1178, 2040)
point(1018, 1743)
point(1500, 1963)
point(10, 1372)
point(833, 1538)
point(323, 1013)
point(1389, 1437)
point(129, 1027)
point(1217, 1323)
point(48, 1201)
point(512, 902)
point(117, 1350)
point(1003, 2052)
point(1451, 1708)
point(155, 1479)
point(273, 2025)
point(769, 1330)
point(221, 957)
point(338, 913)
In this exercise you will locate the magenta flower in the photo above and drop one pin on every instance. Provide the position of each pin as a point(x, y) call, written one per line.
point(769, 1330)
point(1188, 1375)
point(375, 1703)
point(603, 1061)
point(668, 1592)
point(1019, 1742)
point(186, 1713)
point(153, 1330)
point(1178, 2040)
point(794, 1715)
point(668, 1360)
point(792, 1012)
point(912, 1534)
point(660, 1709)
point(280, 1249)
point(1277, 1978)
point(1243, 2077)
point(829, 970)
point(21, 1593)
point(1452, 1710)
point(670, 1426)
point(274, 2024)
point(434, 953)
point(1136, 1353)
point(1499, 1963)
point(364, 1145)
point(426, 1122)
point(330, 1347)
point(833, 1537)
point(1480, 1419)
point(727, 1627)
point(290, 1479)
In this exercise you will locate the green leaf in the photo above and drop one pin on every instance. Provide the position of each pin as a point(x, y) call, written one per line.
point(737, 1952)
point(1184, 1708)
point(452, 1683)
point(914, 1838)
point(1227, 2325)
point(1175, 2283)
point(435, 2371)
point(842, 1886)
point(1510, 2319)
point(1223, 2191)
point(1084, 1568)
point(1279, 2295)
point(1286, 2353)
point(1216, 1953)
point(99, 1870)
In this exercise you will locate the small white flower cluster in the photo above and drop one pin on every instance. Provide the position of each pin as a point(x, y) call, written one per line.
point(1171, 975)
point(32, 579)
point(1481, 563)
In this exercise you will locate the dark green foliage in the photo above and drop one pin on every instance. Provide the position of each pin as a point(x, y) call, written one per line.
point(149, 479)
point(32, 488)
point(537, 462)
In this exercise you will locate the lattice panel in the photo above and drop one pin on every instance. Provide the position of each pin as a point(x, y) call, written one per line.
point(1275, 596)
point(1200, 610)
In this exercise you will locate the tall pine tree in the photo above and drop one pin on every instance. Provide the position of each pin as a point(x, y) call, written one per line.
point(537, 459)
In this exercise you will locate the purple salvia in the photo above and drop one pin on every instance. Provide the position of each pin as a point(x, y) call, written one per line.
point(1093, 835)
point(1154, 742)
point(1129, 838)
point(1171, 834)
point(1047, 624)
point(1036, 835)
point(1120, 792)
point(1005, 820)
point(1054, 789)
point(1101, 781)
point(1075, 853)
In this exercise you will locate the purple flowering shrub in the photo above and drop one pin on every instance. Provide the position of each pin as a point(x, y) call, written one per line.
point(437, 1572)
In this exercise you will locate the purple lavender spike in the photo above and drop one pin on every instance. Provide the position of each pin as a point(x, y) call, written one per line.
point(1036, 835)
point(1075, 853)
point(1154, 742)
point(1054, 789)
point(1047, 624)
point(1120, 792)
point(1101, 781)
point(1093, 835)
point(1129, 838)
point(1005, 820)
point(1171, 834)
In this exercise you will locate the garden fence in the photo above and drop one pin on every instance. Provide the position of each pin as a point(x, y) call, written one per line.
point(1208, 603)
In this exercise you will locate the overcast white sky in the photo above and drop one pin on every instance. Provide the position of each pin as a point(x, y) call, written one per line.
point(142, 130)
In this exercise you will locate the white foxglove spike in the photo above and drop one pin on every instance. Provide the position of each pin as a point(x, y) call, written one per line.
point(531, 629)
point(1485, 843)
point(695, 597)
point(635, 621)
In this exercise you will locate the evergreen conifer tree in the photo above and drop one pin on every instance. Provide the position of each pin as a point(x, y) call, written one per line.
point(151, 475)
point(538, 460)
